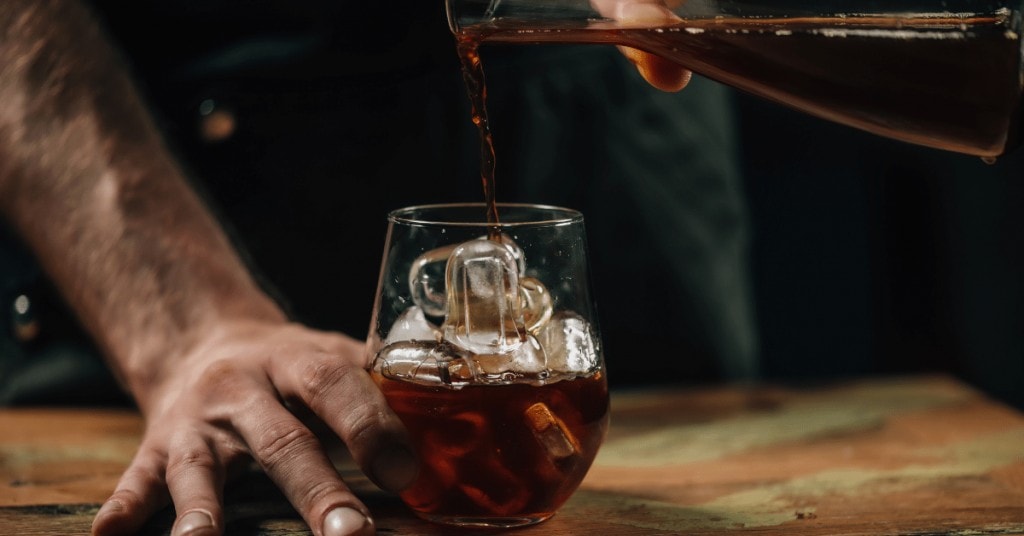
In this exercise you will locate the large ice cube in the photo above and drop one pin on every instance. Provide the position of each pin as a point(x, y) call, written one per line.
point(484, 313)
point(517, 252)
point(569, 343)
point(427, 275)
point(493, 316)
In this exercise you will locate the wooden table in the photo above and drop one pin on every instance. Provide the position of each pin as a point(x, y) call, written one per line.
point(914, 456)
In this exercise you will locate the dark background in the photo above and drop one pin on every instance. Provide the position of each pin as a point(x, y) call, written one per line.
point(868, 256)
point(876, 257)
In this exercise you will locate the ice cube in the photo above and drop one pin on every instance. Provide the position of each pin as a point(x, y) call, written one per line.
point(425, 363)
point(486, 481)
point(412, 325)
point(569, 343)
point(529, 357)
point(551, 432)
point(446, 445)
point(427, 275)
point(484, 314)
point(462, 433)
point(426, 280)
point(517, 252)
point(526, 360)
point(536, 303)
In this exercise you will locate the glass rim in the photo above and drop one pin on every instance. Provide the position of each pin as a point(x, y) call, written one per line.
point(559, 215)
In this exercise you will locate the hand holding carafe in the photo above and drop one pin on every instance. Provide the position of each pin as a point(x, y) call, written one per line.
point(939, 74)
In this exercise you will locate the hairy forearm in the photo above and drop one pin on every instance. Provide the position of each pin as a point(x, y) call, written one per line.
point(88, 182)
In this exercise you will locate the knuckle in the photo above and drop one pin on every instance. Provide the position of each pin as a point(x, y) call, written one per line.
point(319, 494)
point(190, 459)
point(363, 423)
point(226, 386)
point(282, 442)
point(319, 377)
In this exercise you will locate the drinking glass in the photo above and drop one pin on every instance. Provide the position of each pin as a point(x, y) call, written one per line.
point(939, 73)
point(485, 343)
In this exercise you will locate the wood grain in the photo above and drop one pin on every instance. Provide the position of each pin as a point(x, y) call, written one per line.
point(915, 456)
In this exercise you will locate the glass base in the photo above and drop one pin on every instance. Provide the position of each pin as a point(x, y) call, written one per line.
point(485, 522)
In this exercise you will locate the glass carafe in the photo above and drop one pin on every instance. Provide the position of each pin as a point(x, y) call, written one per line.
point(943, 74)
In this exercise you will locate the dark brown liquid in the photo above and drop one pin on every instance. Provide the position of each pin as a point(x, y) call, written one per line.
point(476, 86)
point(505, 451)
point(940, 81)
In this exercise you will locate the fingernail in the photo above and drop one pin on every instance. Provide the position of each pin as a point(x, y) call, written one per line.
point(194, 520)
point(344, 521)
point(394, 468)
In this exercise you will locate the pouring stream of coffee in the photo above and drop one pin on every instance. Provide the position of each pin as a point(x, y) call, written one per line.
point(476, 86)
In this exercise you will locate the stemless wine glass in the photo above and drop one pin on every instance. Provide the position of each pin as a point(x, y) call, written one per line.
point(484, 342)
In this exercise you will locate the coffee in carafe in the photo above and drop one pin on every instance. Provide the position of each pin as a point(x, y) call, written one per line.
point(942, 77)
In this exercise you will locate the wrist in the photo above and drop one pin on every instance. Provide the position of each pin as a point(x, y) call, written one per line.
point(148, 362)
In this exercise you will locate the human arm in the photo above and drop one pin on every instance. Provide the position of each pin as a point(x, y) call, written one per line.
point(212, 362)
